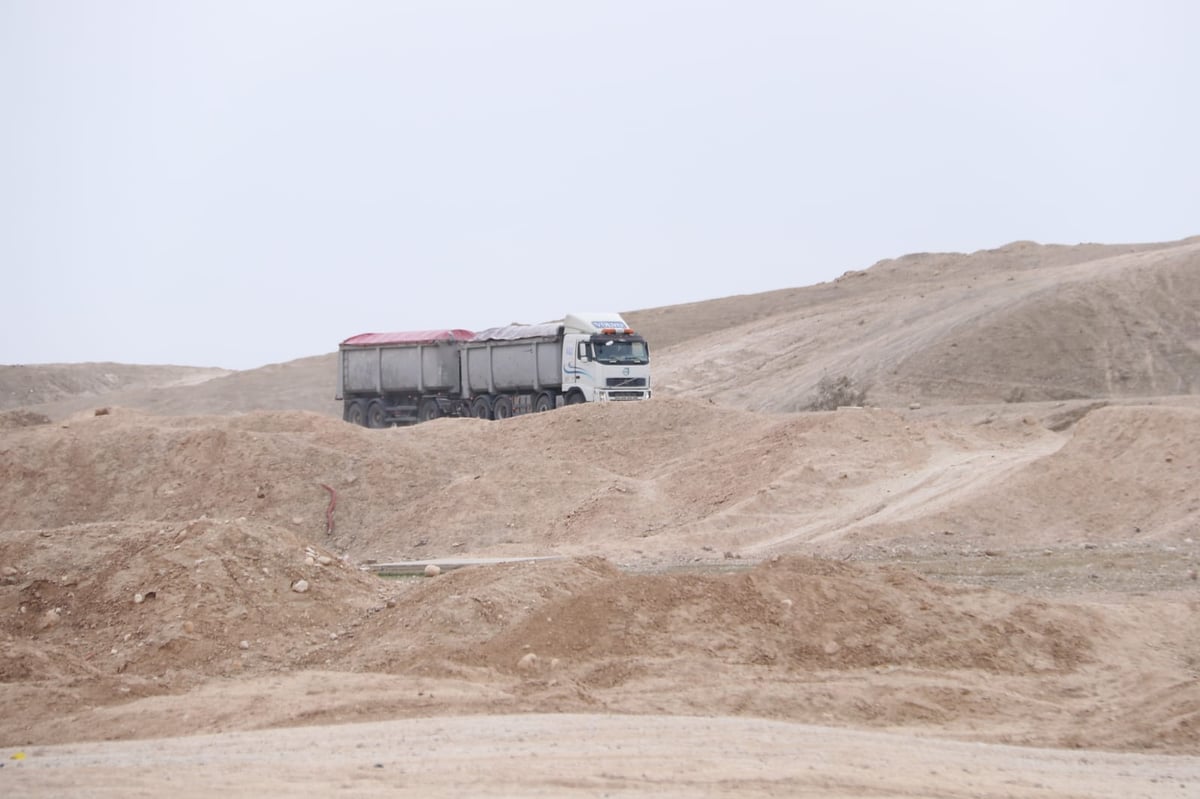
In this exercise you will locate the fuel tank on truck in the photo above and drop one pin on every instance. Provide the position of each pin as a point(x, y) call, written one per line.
point(514, 358)
point(413, 362)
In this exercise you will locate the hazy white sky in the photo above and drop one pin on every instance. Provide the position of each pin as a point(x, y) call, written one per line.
point(240, 182)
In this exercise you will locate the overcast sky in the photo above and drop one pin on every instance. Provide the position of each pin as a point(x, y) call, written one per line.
point(247, 182)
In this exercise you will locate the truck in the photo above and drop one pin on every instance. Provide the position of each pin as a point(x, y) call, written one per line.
point(403, 378)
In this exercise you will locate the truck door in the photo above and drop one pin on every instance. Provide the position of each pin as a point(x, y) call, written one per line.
point(574, 361)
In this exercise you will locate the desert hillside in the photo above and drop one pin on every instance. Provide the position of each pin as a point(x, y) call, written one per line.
point(1024, 322)
point(71, 385)
point(1021, 323)
point(989, 568)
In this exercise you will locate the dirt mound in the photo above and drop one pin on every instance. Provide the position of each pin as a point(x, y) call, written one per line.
point(656, 478)
point(151, 603)
point(799, 614)
point(112, 616)
point(1127, 473)
point(1124, 475)
point(438, 483)
point(667, 480)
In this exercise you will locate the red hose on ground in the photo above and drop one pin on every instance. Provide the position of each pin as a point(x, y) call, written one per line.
point(329, 510)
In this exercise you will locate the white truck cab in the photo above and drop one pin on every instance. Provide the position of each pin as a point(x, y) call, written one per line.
point(603, 359)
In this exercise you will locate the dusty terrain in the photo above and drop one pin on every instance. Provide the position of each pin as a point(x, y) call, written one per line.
point(984, 584)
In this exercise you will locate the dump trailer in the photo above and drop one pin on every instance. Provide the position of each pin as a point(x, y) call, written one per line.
point(404, 378)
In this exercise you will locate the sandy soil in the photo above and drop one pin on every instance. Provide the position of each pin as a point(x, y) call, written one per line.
point(943, 598)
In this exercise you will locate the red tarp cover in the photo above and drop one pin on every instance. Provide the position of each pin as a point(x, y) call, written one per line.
point(407, 337)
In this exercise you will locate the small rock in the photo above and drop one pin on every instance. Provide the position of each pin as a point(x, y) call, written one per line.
point(300, 586)
point(243, 645)
point(433, 570)
point(50, 618)
point(324, 560)
point(528, 662)
point(787, 603)
point(310, 561)
point(914, 406)
point(297, 520)
point(832, 647)
point(333, 636)
point(138, 599)
point(9, 571)
point(189, 627)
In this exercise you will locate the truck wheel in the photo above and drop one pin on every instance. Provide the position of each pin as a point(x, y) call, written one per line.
point(502, 407)
point(356, 413)
point(481, 408)
point(428, 410)
point(576, 398)
point(376, 415)
point(543, 403)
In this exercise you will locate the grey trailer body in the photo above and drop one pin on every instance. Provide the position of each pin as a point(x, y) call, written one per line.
point(400, 378)
point(514, 358)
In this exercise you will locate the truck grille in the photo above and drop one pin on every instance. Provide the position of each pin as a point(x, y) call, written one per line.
point(626, 395)
point(629, 382)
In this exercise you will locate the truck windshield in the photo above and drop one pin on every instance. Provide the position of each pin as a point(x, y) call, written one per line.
point(621, 351)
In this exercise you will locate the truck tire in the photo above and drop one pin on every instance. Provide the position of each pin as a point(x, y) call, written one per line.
point(543, 403)
point(376, 415)
point(356, 413)
point(428, 410)
point(576, 398)
point(502, 407)
point(481, 407)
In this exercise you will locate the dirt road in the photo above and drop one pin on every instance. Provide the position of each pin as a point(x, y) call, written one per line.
point(587, 755)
